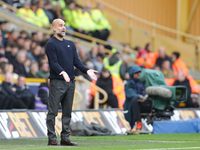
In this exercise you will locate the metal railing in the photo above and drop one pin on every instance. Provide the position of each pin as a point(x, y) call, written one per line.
point(97, 101)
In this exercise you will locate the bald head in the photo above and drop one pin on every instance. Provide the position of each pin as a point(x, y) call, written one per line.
point(9, 77)
point(180, 76)
point(59, 28)
point(162, 52)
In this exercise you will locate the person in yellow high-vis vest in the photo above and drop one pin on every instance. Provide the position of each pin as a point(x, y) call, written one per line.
point(23, 13)
point(32, 14)
point(101, 21)
point(115, 65)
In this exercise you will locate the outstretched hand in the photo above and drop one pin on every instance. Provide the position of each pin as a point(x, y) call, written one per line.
point(91, 72)
point(65, 76)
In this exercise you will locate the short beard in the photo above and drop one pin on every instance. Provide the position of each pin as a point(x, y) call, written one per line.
point(59, 34)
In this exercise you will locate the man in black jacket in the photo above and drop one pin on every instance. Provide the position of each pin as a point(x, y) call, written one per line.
point(18, 65)
point(8, 90)
point(105, 82)
point(24, 92)
point(62, 57)
point(162, 57)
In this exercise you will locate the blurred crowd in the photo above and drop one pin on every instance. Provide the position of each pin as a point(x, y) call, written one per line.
point(22, 55)
point(83, 19)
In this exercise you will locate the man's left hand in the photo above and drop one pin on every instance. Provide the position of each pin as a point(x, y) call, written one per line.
point(91, 72)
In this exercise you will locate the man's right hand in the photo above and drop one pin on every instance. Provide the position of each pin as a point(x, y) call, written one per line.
point(65, 76)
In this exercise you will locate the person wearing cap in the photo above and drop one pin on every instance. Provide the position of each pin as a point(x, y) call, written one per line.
point(136, 98)
point(178, 64)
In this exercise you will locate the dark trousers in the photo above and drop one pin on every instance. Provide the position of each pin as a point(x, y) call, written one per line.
point(139, 107)
point(62, 92)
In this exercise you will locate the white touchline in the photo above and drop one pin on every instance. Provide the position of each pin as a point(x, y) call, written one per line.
point(172, 148)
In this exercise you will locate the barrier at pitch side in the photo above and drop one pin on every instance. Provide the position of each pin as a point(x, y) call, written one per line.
point(32, 124)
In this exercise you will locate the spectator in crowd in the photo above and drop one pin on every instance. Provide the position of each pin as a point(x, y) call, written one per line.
point(166, 70)
point(6, 101)
point(19, 64)
point(27, 64)
point(11, 37)
point(24, 12)
point(77, 44)
point(89, 25)
point(3, 68)
point(48, 8)
point(33, 70)
point(43, 92)
point(178, 64)
point(141, 59)
point(67, 13)
point(11, 55)
point(35, 54)
point(125, 59)
point(151, 56)
point(113, 86)
point(39, 37)
point(44, 70)
point(101, 50)
point(2, 51)
point(4, 27)
point(40, 13)
point(88, 64)
point(192, 90)
point(9, 90)
point(36, 19)
point(27, 44)
point(23, 34)
point(82, 55)
point(156, 67)
point(115, 65)
point(20, 41)
point(103, 26)
point(162, 56)
point(1, 39)
point(148, 47)
point(24, 92)
point(93, 54)
point(136, 101)
point(8, 67)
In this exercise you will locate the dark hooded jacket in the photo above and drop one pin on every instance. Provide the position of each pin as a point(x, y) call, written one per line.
point(133, 89)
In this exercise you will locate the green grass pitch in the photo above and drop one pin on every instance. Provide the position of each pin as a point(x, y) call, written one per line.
point(125, 142)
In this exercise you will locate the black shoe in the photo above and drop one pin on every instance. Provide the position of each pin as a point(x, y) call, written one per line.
point(53, 143)
point(67, 143)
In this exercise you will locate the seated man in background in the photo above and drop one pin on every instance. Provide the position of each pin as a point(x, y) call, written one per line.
point(162, 56)
point(113, 86)
point(24, 92)
point(135, 102)
point(192, 90)
point(9, 90)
